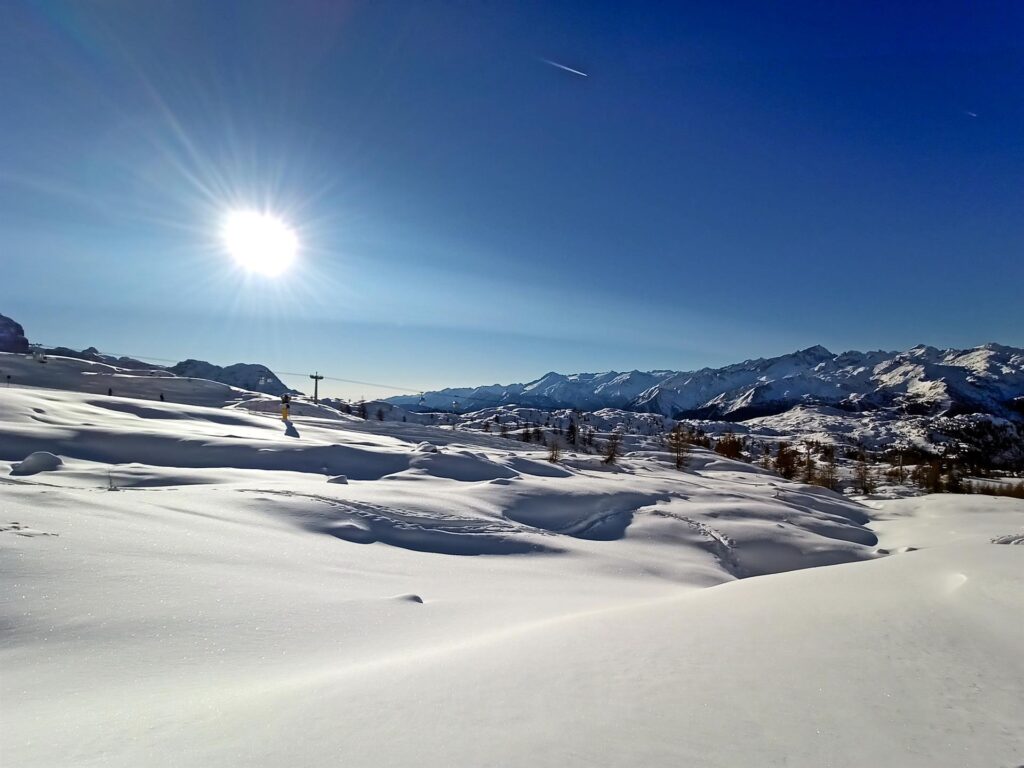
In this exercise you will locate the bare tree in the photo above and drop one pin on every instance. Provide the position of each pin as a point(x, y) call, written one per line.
point(613, 447)
point(679, 445)
point(554, 451)
point(863, 477)
point(809, 468)
point(828, 477)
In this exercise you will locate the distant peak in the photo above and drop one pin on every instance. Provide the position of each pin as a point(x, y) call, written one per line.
point(994, 347)
point(817, 350)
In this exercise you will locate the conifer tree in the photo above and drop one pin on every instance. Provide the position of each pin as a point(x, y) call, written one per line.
point(571, 433)
point(785, 461)
point(729, 446)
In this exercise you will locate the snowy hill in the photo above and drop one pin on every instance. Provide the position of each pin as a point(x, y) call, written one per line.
point(94, 355)
point(79, 375)
point(988, 379)
point(249, 376)
point(183, 584)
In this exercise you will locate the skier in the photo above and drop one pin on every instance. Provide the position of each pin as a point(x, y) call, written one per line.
point(161, 397)
point(285, 402)
point(110, 391)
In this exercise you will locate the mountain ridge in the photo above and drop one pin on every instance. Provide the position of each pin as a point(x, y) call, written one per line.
point(987, 378)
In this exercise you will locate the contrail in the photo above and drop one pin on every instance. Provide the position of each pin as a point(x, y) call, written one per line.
point(567, 69)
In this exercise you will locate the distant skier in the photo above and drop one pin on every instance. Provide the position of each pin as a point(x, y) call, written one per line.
point(161, 397)
point(285, 403)
point(110, 391)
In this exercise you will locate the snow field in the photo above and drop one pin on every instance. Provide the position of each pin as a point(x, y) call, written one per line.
point(461, 601)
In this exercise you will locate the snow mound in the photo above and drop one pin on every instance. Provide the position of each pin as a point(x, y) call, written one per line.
point(425, 447)
point(462, 466)
point(34, 463)
point(410, 598)
point(338, 479)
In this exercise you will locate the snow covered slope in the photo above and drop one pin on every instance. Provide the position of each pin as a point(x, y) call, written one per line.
point(248, 376)
point(989, 378)
point(79, 375)
point(194, 585)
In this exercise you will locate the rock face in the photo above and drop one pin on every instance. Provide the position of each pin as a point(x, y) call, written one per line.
point(12, 336)
point(251, 376)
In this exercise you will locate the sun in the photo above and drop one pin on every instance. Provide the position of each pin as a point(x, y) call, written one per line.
point(260, 242)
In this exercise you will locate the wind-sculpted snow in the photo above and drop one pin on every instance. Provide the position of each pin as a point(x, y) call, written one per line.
point(189, 587)
point(365, 523)
point(34, 463)
point(487, 496)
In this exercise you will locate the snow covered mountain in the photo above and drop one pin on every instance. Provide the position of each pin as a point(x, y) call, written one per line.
point(251, 376)
point(921, 380)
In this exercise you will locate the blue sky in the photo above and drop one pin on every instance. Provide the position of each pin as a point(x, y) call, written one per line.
point(732, 180)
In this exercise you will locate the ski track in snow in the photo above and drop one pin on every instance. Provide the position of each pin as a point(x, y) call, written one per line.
point(365, 523)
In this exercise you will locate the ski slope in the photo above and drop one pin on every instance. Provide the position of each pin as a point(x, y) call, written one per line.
point(197, 585)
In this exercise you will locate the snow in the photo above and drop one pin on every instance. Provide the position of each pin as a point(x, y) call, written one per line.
point(462, 601)
point(34, 463)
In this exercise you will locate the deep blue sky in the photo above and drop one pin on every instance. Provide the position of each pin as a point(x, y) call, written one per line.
point(732, 180)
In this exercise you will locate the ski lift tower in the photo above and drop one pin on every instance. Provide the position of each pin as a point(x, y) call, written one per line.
point(317, 378)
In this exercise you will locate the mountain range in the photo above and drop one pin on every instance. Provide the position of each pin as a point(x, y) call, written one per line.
point(921, 380)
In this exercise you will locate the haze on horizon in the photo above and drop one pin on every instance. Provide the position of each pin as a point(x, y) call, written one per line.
point(727, 182)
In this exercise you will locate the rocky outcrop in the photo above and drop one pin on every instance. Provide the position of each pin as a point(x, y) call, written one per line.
point(12, 336)
point(251, 376)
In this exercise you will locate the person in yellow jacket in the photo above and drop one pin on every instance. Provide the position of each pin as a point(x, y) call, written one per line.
point(285, 404)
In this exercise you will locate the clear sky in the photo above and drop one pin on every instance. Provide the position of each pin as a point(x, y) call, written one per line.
point(730, 180)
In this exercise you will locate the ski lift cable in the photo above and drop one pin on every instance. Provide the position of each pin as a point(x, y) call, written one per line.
point(395, 387)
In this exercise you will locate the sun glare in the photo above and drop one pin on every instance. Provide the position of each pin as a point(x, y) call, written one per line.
point(260, 242)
